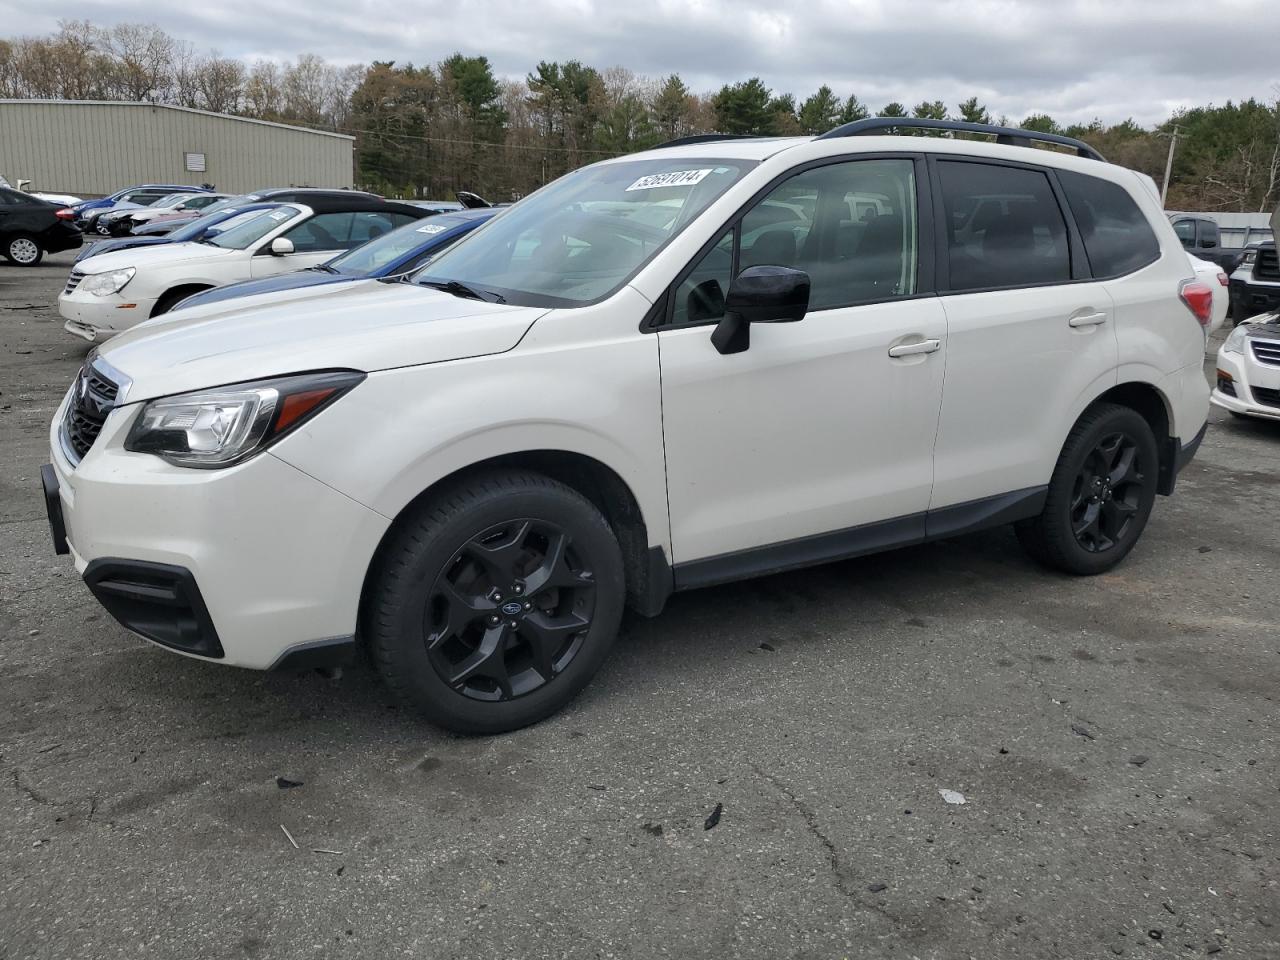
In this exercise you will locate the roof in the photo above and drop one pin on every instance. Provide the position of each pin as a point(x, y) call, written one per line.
point(358, 203)
point(169, 106)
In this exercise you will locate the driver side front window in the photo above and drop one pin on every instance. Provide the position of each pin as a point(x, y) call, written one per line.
point(851, 226)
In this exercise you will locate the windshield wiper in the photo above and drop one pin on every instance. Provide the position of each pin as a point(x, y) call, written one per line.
point(460, 289)
point(322, 268)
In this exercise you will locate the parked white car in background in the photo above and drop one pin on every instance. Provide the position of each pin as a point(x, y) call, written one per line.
point(1216, 278)
point(676, 368)
point(1248, 374)
point(117, 290)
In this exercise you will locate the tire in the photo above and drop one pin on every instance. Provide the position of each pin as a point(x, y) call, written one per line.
point(23, 249)
point(1062, 537)
point(444, 576)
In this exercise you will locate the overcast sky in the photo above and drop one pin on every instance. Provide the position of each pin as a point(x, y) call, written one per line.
point(1073, 59)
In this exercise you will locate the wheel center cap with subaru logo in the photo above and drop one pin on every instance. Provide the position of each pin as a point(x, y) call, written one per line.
point(511, 608)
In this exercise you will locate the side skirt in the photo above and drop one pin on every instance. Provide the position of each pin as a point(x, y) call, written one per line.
point(858, 541)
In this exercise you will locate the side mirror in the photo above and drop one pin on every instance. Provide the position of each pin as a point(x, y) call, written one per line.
point(281, 247)
point(760, 294)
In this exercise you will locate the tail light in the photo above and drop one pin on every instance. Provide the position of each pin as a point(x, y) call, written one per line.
point(66, 214)
point(1222, 279)
point(1198, 296)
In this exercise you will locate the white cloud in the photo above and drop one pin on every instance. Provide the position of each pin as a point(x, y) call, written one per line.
point(1073, 59)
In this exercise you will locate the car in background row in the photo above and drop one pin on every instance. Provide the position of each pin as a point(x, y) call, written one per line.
point(1202, 238)
point(1248, 376)
point(141, 194)
point(274, 194)
point(195, 230)
point(104, 221)
point(170, 208)
point(30, 228)
point(392, 255)
point(115, 291)
point(1215, 278)
point(1255, 285)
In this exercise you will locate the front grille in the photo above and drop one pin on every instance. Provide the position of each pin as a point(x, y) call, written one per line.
point(1267, 351)
point(1267, 266)
point(1266, 396)
point(73, 281)
point(92, 398)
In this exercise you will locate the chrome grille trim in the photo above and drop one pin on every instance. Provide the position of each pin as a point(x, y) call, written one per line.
point(73, 281)
point(1267, 351)
point(98, 389)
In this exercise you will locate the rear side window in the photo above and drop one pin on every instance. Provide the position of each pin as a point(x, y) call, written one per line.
point(1117, 237)
point(1003, 227)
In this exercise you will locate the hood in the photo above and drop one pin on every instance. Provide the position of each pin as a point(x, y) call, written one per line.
point(1268, 329)
point(364, 325)
point(154, 255)
point(100, 247)
point(251, 288)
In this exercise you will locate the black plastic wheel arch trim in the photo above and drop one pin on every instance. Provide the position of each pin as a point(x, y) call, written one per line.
point(1174, 457)
point(158, 601)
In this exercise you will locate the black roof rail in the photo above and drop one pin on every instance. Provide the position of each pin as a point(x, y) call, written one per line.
point(1010, 136)
point(703, 138)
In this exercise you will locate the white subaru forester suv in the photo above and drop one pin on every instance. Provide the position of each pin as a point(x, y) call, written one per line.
point(708, 361)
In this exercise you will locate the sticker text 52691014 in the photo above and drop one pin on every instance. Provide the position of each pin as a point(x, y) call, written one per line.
point(676, 178)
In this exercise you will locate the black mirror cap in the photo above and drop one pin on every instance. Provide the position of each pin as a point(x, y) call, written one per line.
point(769, 294)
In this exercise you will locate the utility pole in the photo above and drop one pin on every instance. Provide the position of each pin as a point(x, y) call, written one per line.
point(1168, 164)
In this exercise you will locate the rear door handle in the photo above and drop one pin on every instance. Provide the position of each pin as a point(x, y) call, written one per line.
point(911, 349)
point(1088, 319)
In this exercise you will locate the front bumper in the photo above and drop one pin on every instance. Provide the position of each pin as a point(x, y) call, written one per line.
point(257, 565)
point(1249, 387)
point(1250, 299)
point(97, 318)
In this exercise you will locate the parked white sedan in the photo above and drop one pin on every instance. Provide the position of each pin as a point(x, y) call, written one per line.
point(1248, 374)
point(115, 291)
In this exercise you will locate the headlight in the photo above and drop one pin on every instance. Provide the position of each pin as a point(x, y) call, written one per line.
point(1235, 342)
point(105, 284)
point(223, 426)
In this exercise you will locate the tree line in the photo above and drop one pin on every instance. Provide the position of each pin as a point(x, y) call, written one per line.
point(425, 131)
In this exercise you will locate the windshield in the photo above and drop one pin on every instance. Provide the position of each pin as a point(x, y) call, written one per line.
point(390, 247)
point(169, 200)
point(582, 237)
point(252, 230)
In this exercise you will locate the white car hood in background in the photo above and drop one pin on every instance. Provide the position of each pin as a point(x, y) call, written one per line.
point(157, 255)
point(365, 325)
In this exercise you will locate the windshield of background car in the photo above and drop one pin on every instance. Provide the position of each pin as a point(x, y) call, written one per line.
point(252, 230)
point(171, 200)
point(581, 238)
point(229, 202)
point(390, 247)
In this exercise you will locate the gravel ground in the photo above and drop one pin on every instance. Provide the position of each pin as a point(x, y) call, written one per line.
point(1114, 739)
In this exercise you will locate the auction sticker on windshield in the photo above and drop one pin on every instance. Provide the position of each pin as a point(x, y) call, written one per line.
point(432, 228)
point(676, 178)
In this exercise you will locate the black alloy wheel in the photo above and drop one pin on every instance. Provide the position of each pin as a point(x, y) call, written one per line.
point(1100, 494)
point(1107, 493)
point(510, 611)
point(494, 600)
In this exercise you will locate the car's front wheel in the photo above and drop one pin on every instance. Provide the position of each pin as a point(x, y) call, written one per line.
point(23, 250)
point(1100, 495)
point(494, 602)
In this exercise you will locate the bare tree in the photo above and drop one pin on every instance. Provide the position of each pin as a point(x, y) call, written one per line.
point(143, 55)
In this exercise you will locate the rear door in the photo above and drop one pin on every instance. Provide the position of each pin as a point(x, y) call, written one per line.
point(797, 449)
point(1029, 331)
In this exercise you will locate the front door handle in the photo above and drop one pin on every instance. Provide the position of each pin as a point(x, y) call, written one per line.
point(911, 349)
point(1088, 320)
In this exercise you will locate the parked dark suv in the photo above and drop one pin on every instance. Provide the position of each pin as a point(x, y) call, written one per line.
point(30, 228)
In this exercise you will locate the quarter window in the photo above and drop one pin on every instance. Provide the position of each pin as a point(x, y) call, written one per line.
point(1117, 237)
point(850, 226)
point(1003, 227)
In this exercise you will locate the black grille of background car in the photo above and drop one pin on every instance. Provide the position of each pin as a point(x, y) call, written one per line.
point(73, 281)
point(92, 398)
point(1267, 351)
point(1264, 395)
point(1267, 266)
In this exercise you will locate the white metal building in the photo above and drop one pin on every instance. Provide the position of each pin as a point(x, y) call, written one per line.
point(92, 147)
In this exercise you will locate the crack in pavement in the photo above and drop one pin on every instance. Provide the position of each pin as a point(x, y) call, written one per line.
point(844, 883)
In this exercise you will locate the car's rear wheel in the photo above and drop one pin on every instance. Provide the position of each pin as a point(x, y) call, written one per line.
point(1100, 495)
point(23, 250)
point(495, 601)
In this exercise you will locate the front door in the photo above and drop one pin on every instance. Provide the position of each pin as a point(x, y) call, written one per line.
point(786, 453)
